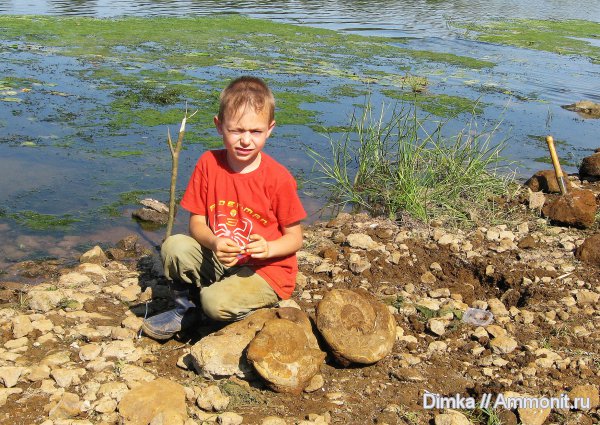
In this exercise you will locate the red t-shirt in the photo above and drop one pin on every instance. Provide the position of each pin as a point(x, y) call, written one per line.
point(237, 205)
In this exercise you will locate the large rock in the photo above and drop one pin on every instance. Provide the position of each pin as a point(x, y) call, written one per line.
point(69, 406)
point(577, 208)
point(545, 181)
point(155, 205)
point(588, 395)
point(584, 108)
point(357, 327)
point(589, 250)
point(129, 243)
point(212, 399)
point(9, 375)
point(134, 375)
point(7, 392)
point(221, 353)
point(169, 417)
point(66, 377)
point(527, 415)
point(530, 416)
point(503, 345)
point(21, 326)
point(536, 200)
point(44, 300)
point(451, 417)
point(147, 214)
point(590, 166)
point(361, 240)
point(287, 363)
point(94, 256)
point(140, 405)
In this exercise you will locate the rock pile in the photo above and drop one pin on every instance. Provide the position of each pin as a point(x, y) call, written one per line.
point(578, 207)
point(280, 344)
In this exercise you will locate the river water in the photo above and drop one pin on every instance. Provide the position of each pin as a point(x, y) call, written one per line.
point(431, 25)
point(414, 18)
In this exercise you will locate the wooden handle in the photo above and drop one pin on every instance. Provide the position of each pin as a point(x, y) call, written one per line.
point(554, 157)
point(557, 170)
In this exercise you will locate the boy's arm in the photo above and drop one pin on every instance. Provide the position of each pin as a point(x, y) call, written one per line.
point(288, 243)
point(225, 248)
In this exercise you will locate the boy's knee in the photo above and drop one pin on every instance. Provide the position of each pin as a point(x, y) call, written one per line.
point(175, 244)
point(180, 249)
point(218, 307)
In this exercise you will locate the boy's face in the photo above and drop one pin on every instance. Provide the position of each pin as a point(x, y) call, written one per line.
point(244, 136)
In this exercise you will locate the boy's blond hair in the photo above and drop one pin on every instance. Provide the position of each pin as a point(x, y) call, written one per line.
point(246, 91)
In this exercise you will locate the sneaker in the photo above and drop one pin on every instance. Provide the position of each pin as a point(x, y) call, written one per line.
point(166, 324)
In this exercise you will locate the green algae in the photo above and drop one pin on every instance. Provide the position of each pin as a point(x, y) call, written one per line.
point(492, 88)
point(289, 107)
point(569, 37)
point(124, 115)
point(541, 140)
point(37, 221)
point(122, 154)
point(548, 160)
point(441, 105)
point(330, 129)
point(348, 90)
point(152, 67)
point(11, 82)
point(132, 197)
point(449, 58)
point(206, 140)
point(164, 76)
point(141, 100)
point(230, 41)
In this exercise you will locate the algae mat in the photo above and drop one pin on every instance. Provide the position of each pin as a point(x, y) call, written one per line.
point(570, 37)
point(153, 63)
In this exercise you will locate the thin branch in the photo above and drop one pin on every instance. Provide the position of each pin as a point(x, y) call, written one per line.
point(175, 165)
point(170, 142)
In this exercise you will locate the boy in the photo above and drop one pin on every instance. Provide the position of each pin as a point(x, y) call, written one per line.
point(244, 221)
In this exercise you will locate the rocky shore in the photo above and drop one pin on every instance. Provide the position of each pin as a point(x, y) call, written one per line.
point(71, 353)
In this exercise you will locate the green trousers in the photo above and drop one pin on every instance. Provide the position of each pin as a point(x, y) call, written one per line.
point(226, 293)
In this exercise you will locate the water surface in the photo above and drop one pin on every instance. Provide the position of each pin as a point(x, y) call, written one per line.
point(58, 157)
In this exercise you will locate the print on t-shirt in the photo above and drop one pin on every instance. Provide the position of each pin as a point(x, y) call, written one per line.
point(233, 228)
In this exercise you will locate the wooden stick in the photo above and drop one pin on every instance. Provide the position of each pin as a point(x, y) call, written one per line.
point(174, 167)
point(557, 170)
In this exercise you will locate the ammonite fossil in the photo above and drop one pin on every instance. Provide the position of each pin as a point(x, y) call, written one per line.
point(357, 327)
point(285, 352)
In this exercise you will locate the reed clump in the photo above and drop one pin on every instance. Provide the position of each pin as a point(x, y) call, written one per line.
point(394, 163)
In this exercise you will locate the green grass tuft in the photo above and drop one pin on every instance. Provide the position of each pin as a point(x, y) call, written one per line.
point(390, 164)
point(241, 396)
point(487, 416)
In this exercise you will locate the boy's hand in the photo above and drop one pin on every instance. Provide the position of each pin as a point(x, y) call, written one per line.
point(227, 250)
point(258, 247)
